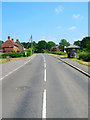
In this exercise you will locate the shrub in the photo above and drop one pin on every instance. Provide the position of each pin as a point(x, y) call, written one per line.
point(57, 53)
point(28, 54)
point(3, 55)
point(12, 55)
point(15, 54)
point(84, 56)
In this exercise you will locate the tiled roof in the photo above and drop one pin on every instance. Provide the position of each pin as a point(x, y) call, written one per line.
point(9, 43)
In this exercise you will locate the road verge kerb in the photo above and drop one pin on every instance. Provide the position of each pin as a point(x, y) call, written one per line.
point(85, 73)
point(29, 59)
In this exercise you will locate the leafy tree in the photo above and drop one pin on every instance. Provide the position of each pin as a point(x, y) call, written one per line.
point(50, 44)
point(85, 42)
point(88, 46)
point(28, 50)
point(1, 43)
point(63, 43)
point(41, 46)
point(78, 43)
point(24, 44)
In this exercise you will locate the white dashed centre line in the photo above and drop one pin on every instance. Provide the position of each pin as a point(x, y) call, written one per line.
point(45, 75)
point(44, 93)
point(44, 104)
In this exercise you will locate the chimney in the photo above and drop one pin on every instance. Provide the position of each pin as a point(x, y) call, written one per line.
point(17, 40)
point(12, 39)
point(8, 37)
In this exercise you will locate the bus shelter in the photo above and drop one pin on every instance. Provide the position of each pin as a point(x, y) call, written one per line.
point(72, 51)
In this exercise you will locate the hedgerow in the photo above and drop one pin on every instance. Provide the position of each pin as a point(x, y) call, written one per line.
point(85, 56)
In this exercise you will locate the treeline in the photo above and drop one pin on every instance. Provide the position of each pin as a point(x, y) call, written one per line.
point(43, 46)
point(40, 47)
point(84, 44)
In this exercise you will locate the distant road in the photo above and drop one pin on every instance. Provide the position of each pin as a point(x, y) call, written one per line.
point(45, 87)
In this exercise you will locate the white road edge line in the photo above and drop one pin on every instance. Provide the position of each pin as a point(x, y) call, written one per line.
point(15, 69)
point(80, 70)
point(44, 104)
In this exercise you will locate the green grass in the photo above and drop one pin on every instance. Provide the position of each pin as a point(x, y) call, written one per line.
point(75, 59)
point(2, 62)
point(80, 61)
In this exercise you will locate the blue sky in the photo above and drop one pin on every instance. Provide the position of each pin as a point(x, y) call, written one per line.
point(45, 20)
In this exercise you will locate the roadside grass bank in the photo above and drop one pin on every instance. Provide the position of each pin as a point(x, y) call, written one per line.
point(80, 61)
point(2, 61)
point(74, 59)
point(4, 58)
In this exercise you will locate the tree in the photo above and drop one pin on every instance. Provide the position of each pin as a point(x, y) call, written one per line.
point(24, 44)
point(62, 44)
point(78, 43)
point(88, 46)
point(1, 43)
point(50, 44)
point(85, 41)
point(41, 46)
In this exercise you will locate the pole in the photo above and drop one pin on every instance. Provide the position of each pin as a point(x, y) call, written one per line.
point(31, 44)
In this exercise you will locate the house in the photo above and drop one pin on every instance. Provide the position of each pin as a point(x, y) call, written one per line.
point(55, 48)
point(20, 46)
point(9, 45)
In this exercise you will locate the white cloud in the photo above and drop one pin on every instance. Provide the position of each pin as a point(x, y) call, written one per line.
point(59, 27)
point(59, 9)
point(43, 37)
point(76, 16)
point(72, 28)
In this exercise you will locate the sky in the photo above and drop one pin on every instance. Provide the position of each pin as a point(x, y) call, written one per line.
point(50, 21)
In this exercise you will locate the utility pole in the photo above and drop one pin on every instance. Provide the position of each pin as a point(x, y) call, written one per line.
point(31, 44)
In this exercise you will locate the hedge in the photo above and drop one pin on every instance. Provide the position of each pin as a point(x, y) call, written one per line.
point(12, 55)
point(58, 53)
point(85, 56)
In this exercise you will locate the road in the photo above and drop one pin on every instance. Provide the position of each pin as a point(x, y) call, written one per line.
point(45, 88)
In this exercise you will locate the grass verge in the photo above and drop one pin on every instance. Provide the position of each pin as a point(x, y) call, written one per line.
point(74, 59)
point(80, 61)
point(2, 61)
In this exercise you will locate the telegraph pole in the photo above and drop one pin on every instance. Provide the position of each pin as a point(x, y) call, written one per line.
point(31, 44)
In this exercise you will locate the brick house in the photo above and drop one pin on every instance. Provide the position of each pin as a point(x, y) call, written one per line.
point(20, 46)
point(55, 48)
point(9, 45)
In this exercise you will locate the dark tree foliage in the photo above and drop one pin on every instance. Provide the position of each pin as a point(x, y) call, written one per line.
point(50, 44)
point(85, 41)
point(1, 43)
point(78, 43)
point(63, 43)
point(41, 46)
point(84, 44)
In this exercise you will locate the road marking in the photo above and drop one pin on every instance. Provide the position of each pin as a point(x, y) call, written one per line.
point(44, 104)
point(16, 69)
point(44, 92)
point(45, 75)
point(45, 65)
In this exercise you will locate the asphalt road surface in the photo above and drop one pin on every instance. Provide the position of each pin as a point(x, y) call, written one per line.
point(45, 88)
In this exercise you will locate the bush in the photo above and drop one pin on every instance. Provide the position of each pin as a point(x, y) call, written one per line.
point(3, 55)
point(28, 54)
point(84, 56)
point(58, 53)
point(13, 55)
